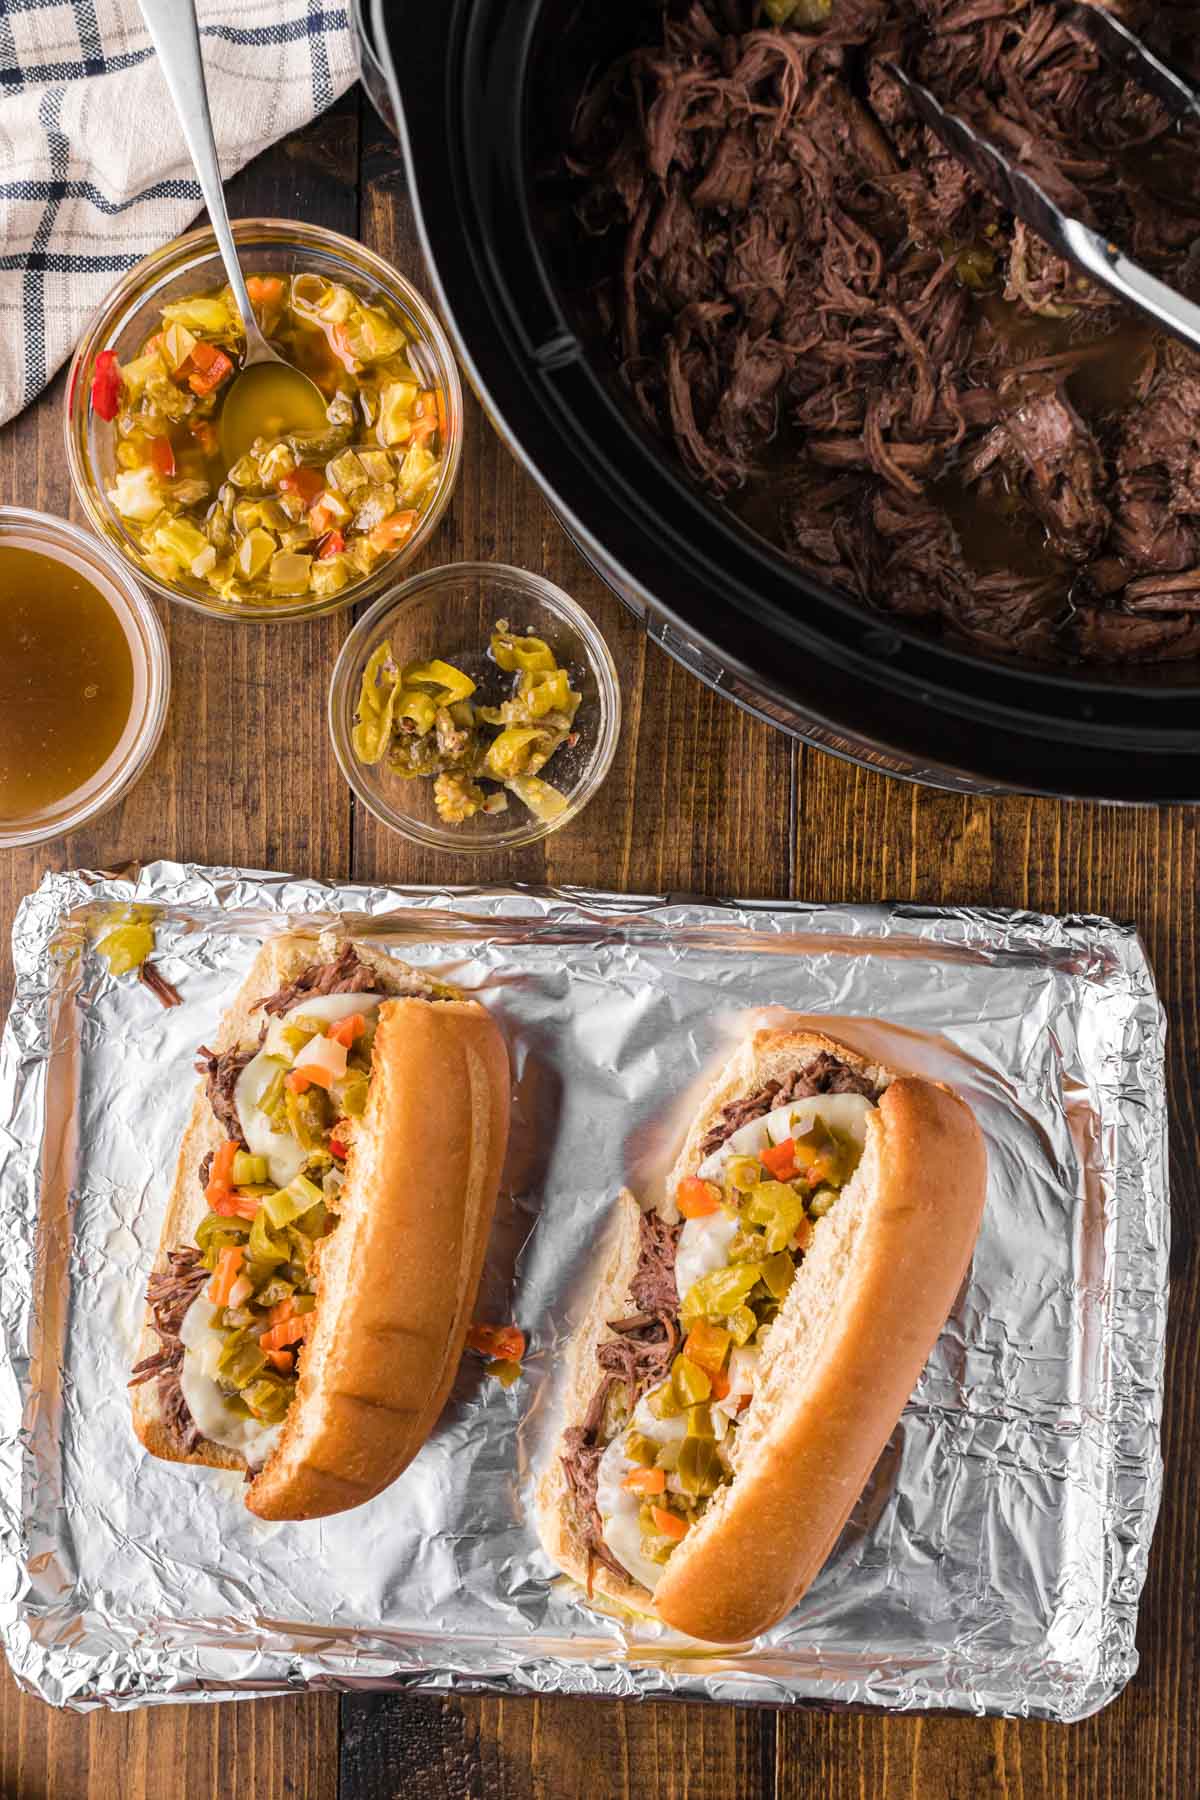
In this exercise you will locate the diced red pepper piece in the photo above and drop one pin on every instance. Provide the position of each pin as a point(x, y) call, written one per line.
point(206, 368)
point(305, 482)
point(106, 385)
point(162, 455)
point(331, 544)
point(780, 1159)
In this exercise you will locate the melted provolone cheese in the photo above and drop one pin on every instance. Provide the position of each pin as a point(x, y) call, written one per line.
point(285, 1157)
point(202, 1346)
point(617, 1506)
point(703, 1246)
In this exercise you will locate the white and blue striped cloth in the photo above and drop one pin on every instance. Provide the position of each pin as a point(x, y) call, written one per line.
point(93, 169)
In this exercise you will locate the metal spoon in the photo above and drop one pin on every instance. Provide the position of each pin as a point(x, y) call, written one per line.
point(268, 393)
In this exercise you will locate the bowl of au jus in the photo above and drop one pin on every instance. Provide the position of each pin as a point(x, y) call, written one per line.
point(308, 517)
point(84, 678)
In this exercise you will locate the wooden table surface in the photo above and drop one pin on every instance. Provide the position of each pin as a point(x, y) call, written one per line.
point(700, 799)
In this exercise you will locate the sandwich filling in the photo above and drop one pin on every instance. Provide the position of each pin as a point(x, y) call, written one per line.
point(659, 1438)
point(233, 1308)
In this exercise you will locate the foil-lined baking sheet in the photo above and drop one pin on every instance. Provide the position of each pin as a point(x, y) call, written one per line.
point(994, 1562)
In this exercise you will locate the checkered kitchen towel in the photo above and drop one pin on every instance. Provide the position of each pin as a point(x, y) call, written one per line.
point(93, 169)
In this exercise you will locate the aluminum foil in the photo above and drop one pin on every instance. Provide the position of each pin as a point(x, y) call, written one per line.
point(994, 1562)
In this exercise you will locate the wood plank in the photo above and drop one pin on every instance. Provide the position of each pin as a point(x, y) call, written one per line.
point(243, 775)
point(553, 1749)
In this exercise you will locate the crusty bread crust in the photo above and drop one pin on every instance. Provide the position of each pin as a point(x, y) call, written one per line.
point(846, 1351)
point(396, 1280)
point(279, 961)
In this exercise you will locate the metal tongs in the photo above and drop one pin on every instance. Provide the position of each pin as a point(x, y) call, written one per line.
point(1016, 189)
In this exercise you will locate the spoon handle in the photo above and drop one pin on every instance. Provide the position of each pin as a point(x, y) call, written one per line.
point(176, 36)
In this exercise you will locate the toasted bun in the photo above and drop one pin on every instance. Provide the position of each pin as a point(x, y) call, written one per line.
point(438, 1102)
point(396, 1281)
point(846, 1351)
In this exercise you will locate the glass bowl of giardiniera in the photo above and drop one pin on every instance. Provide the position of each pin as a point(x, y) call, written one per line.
point(305, 521)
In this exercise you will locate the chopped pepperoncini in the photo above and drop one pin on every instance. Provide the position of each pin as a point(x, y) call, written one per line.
point(529, 653)
point(718, 1294)
point(689, 1383)
point(126, 948)
point(778, 1208)
point(641, 1449)
point(376, 706)
point(700, 1469)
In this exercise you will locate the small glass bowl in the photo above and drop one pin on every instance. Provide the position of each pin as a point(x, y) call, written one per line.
point(450, 613)
point(191, 265)
point(151, 673)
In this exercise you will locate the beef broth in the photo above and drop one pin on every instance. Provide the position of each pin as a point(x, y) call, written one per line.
point(851, 344)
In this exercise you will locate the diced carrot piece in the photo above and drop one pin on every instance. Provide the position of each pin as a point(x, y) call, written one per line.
point(283, 1360)
point(288, 1331)
point(505, 1342)
point(229, 1267)
point(696, 1199)
point(265, 290)
point(669, 1523)
point(646, 1481)
point(346, 1030)
point(311, 1075)
point(708, 1345)
point(393, 531)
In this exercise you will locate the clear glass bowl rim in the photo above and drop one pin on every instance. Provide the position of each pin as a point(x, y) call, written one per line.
point(343, 692)
point(177, 256)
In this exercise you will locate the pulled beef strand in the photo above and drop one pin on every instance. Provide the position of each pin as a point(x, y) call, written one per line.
point(222, 1071)
point(346, 973)
point(824, 1074)
point(169, 1294)
point(827, 317)
point(637, 1357)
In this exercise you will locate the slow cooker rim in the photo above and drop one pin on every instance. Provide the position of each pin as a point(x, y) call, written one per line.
point(1147, 744)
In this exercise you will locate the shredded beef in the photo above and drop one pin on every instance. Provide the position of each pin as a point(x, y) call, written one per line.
point(824, 1074)
point(163, 990)
point(222, 1073)
point(638, 1357)
point(346, 973)
point(169, 1294)
point(653, 1286)
point(851, 343)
